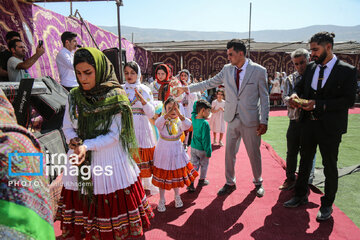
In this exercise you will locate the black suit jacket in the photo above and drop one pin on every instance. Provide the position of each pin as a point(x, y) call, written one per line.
point(338, 96)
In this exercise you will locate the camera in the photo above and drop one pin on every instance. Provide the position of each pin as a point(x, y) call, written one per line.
point(40, 43)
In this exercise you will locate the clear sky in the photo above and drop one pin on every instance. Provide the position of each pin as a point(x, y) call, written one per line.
point(217, 15)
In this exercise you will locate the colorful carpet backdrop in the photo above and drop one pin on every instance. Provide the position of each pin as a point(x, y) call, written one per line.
point(206, 63)
point(36, 23)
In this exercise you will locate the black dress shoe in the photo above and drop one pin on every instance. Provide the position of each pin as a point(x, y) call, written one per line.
point(324, 213)
point(226, 190)
point(295, 202)
point(259, 191)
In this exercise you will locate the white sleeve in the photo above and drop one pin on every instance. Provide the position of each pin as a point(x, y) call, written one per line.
point(160, 122)
point(185, 124)
point(110, 138)
point(65, 60)
point(192, 97)
point(182, 109)
point(68, 126)
point(213, 104)
point(149, 109)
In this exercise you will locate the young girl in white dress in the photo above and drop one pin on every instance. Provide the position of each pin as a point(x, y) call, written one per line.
point(188, 101)
point(172, 166)
point(217, 123)
point(275, 92)
point(142, 106)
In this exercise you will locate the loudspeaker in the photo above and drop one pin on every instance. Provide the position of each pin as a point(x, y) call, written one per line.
point(51, 105)
point(113, 55)
point(22, 102)
point(53, 144)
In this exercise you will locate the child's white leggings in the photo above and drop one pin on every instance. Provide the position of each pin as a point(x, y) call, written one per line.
point(162, 193)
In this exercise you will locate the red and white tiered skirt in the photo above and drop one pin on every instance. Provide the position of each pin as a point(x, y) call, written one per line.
point(117, 215)
point(145, 161)
point(119, 208)
point(172, 166)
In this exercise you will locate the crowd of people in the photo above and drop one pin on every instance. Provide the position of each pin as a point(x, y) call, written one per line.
point(140, 133)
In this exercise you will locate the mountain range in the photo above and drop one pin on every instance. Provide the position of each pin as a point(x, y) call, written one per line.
point(139, 35)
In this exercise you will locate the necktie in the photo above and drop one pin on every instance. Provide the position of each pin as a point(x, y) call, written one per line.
point(238, 71)
point(321, 77)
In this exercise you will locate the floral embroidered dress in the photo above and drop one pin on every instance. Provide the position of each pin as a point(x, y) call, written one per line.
point(143, 130)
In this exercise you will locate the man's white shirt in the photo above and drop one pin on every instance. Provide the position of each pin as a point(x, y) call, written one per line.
point(327, 71)
point(64, 62)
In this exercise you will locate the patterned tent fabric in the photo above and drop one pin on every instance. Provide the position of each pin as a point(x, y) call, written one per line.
point(36, 23)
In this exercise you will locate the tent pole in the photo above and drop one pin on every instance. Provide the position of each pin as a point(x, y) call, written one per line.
point(71, 11)
point(119, 3)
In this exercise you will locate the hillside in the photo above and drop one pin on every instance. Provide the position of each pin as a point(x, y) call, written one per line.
point(301, 34)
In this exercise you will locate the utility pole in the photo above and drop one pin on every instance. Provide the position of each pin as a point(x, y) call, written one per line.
point(248, 52)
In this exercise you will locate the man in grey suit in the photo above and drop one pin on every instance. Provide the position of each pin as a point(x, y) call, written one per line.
point(246, 110)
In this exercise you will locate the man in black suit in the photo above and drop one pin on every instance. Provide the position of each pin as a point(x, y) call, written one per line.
point(329, 85)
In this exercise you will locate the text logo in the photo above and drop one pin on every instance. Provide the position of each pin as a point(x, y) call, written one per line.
point(17, 157)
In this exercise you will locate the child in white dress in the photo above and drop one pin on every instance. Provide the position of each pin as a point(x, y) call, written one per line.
point(188, 102)
point(217, 123)
point(172, 166)
point(275, 92)
point(142, 106)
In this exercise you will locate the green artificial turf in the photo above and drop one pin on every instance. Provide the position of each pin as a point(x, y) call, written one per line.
point(348, 195)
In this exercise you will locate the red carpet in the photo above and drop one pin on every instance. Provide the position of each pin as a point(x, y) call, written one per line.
point(241, 215)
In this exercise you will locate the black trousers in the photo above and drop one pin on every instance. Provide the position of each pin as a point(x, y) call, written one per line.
point(313, 134)
point(293, 147)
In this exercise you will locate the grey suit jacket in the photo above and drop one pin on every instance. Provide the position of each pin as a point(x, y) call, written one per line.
point(251, 102)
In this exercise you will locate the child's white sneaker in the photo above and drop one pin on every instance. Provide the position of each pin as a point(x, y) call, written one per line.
point(161, 206)
point(221, 143)
point(178, 202)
